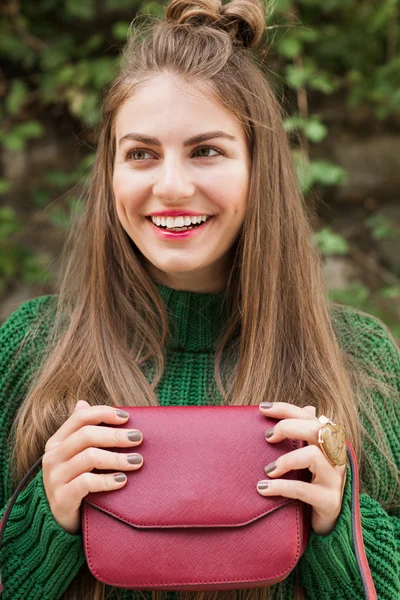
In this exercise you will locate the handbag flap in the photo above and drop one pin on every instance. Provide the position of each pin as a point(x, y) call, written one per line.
point(201, 465)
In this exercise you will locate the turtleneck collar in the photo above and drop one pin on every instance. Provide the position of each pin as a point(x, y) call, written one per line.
point(195, 318)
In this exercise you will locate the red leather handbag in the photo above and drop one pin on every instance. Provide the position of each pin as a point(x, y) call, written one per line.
point(191, 517)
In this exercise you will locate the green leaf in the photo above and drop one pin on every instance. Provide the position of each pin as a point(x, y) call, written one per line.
point(390, 292)
point(298, 77)
point(330, 243)
point(315, 130)
point(326, 173)
point(4, 186)
point(16, 96)
point(84, 10)
point(120, 30)
point(29, 129)
point(153, 8)
point(289, 47)
point(381, 228)
point(9, 222)
point(41, 197)
point(282, 5)
point(59, 179)
point(60, 218)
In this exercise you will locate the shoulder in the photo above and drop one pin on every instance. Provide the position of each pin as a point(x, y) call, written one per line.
point(365, 337)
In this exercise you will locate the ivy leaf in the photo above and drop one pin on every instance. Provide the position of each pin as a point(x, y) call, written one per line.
point(330, 243)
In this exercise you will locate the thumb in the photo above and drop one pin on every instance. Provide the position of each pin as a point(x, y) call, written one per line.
point(81, 404)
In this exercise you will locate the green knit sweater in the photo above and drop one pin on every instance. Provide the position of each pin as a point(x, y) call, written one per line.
point(39, 559)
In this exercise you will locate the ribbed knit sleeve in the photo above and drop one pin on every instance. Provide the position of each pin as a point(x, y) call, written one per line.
point(38, 558)
point(328, 568)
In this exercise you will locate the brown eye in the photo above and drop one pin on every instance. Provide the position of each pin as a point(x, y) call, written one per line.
point(132, 153)
point(208, 148)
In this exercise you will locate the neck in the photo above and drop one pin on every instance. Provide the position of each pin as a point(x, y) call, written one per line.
point(210, 280)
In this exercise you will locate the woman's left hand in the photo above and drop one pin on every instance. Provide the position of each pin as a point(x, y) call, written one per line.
point(325, 492)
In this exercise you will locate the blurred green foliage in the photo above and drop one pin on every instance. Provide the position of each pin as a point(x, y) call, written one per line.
point(59, 56)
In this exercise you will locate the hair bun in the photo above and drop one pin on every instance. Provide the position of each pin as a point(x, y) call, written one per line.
point(243, 19)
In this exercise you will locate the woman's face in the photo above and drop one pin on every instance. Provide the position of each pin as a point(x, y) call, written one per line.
point(160, 167)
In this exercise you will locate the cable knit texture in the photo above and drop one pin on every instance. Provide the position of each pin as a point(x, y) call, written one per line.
point(39, 559)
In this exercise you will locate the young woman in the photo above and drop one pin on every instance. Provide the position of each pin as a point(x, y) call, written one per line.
point(193, 279)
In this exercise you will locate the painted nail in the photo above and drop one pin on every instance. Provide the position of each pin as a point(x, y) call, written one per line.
point(119, 478)
point(134, 459)
point(269, 468)
point(262, 485)
point(134, 436)
point(266, 404)
point(122, 414)
point(269, 433)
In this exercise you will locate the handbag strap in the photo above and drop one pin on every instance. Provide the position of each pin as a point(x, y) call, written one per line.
point(359, 550)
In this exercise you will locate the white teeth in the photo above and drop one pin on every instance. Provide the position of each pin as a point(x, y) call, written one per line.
point(171, 223)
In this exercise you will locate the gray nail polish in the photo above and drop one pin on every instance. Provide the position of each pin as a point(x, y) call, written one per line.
point(134, 459)
point(134, 436)
point(269, 433)
point(120, 477)
point(122, 414)
point(263, 485)
point(266, 404)
point(269, 468)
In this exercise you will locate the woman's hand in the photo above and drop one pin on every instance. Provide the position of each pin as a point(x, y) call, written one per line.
point(325, 492)
point(72, 452)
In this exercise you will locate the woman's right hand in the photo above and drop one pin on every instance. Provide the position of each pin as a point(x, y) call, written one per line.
point(74, 450)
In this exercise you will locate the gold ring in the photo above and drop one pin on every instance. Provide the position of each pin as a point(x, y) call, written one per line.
point(332, 441)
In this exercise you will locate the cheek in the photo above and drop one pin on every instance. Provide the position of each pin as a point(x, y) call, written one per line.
point(127, 195)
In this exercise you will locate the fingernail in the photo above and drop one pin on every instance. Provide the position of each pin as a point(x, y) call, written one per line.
point(134, 459)
point(269, 433)
point(134, 436)
point(269, 468)
point(262, 485)
point(121, 477)
point(266, 404)
point(122, 414)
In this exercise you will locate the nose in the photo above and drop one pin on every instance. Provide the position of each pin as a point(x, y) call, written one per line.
point(172, 181)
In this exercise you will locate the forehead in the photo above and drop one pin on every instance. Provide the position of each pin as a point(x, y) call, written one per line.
point(166, 104)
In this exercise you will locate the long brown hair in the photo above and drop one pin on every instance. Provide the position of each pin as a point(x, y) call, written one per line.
point(110, 319)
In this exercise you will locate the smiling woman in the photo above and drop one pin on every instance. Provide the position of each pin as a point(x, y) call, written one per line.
point(168, 168)
point(193, 279)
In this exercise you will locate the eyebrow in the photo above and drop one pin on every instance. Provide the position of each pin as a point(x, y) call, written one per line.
point(196, 139)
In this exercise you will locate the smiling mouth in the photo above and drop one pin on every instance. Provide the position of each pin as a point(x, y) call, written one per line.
point(179, 229)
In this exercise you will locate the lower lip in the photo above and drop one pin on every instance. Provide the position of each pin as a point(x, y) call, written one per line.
point(164, 234)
